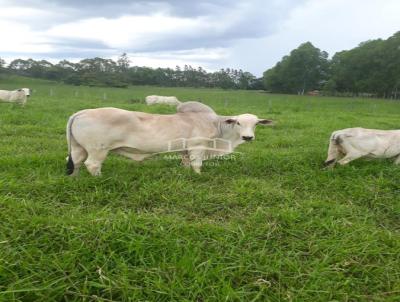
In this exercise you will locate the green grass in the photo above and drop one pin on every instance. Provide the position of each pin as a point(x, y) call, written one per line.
point(268, 225)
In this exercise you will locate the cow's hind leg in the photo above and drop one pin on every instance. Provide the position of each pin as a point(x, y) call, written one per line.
point(94, 161)
point(77, 157)
point(397, 160)
point(334, 153)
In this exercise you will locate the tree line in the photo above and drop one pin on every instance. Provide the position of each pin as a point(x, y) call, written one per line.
point(370, 69)
point(107, 72)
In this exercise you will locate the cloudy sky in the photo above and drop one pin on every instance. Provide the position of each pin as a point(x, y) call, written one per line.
point(248, 34)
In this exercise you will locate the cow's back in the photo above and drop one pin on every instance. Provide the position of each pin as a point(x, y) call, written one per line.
point(112, 128)
point(5, 95)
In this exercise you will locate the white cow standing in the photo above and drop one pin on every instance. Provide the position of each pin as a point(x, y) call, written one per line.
point(16, 96)
point(93, 133)
point(158, 99)
point(349, 144)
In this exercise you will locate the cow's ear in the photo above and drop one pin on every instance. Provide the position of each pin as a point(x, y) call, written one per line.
point(19, 89)
point(264, 122)
point(230, 121)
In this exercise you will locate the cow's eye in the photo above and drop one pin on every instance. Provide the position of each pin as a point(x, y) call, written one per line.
point(238, 123)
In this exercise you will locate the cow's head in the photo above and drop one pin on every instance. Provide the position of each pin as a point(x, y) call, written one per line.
point(26, 90)
point(245, 124)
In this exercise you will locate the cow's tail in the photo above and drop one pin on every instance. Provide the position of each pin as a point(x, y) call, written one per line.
point(333, 150)
point(70, 162)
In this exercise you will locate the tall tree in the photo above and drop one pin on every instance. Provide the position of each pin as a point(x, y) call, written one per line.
point(304, 69)
point(20, 65)
point(372, 67)
point(2, 65)
point(123, 62)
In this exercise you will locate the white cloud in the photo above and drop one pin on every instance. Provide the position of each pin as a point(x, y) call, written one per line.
point(331, 25)
point(126, 31)
point(204, 57)
point(19, 38)
point(248, 34)
point(339, 24)
point(21, 13)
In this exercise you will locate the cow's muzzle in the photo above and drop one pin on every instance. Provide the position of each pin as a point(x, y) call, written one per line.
point(247, 138)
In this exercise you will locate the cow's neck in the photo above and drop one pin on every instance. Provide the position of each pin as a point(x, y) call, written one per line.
point(228, 132)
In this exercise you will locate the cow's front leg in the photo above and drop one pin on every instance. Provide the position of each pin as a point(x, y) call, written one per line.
point(185, 159)
point(196, 160)
point(348, 158)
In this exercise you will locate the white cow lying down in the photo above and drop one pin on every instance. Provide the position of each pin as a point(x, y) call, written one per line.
point(15, 96)
point(158, 99)
point(349, 144)
point(93, 133)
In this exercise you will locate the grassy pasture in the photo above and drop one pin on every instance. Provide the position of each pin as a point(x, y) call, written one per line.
point(267, 225)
